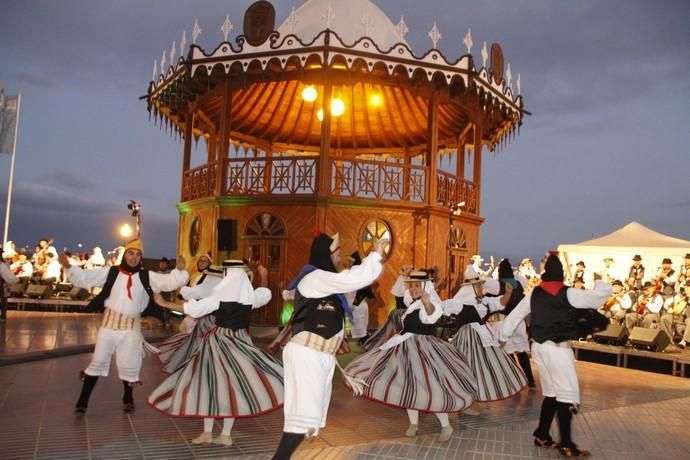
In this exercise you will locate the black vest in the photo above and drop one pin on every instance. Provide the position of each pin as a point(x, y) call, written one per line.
point(399, 303)
point(322, 316)
point(553, 318)
point(233, 315)
point(414, 324)
point(97, 304)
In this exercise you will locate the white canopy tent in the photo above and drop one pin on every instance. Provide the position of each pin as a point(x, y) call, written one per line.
point(622, 245)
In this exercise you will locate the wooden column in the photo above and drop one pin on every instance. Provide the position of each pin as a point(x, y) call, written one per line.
point(324, 171)
point(477, 173)
point(407, 161)
point(432, 148)
point(224, 139)
point(187, 150)
point(460, 159)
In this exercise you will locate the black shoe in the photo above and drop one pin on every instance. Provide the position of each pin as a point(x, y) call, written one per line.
point(532, 385)
point(128, 407)
point(80, 410)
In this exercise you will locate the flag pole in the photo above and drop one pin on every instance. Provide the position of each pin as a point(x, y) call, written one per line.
point(9, 186)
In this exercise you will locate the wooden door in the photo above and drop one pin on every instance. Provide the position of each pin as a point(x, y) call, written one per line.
point(271, 254)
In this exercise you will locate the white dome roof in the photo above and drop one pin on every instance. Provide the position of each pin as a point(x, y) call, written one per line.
point(350, 19)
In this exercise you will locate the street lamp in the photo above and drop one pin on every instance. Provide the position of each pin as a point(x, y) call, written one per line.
point(135, 208)
point(125, 232)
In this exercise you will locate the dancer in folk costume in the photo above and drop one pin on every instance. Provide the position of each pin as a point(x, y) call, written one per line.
point(317, 334)
point(554, 325)
point(415, 370)
point(228, 377)
point(127, 291)
point(360, 306)
point(518, 343)
point(176, 350)
point(393, 323)
point(498, 377)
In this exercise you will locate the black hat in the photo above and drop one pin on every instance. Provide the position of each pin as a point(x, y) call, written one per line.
point(687, 256)
point(320, 253)
point(637, 257)
point(505, 270)
point(553, 269)
point(647, 285)
point(581, 263)
point(355, 258)
point(666, 261)
point(617, 283)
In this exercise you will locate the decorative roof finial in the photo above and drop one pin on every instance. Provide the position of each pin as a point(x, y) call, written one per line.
point(292, 21)
point(329, 16)
point(163, 62)
point(173, 50)
point(183, 42)
point(196, 31)
point(509, 75)
point(367, 24)
point(468, 41)
point(485, 54)
point(155, 70)
point(517, 83)
point(435, 35)
point(226, 28)
point(401, 28)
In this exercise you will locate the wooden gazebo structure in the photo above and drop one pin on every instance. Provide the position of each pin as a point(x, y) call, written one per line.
point(334, 124)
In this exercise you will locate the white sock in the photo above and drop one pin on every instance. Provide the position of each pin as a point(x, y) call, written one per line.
point(227, 425)
point(208, 425)
point(443, 418)
point(413, 415)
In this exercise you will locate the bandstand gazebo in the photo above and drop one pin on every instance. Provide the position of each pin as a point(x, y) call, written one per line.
point(331, 122)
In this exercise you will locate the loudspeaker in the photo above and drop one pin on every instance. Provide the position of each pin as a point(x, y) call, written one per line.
point(17, 289)
point(649, 339)
point(614, 334)
point(77, 293)
point(63, 287)
point(39, 290)
point(227, 235)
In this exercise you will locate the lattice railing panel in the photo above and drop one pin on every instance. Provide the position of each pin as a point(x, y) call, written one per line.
point(380, 180)
point(452, 190)
point(199, 182)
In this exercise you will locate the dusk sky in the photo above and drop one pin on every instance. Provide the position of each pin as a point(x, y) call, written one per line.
point(607, 83)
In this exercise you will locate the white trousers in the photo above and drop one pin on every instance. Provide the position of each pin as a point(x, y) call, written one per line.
point(308, 378)
point(127, 346)
point(557, 372)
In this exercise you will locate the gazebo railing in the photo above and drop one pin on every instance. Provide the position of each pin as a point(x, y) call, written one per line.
point(451, 190)
point(199, 182)
point(377, 180)
point(349, 178)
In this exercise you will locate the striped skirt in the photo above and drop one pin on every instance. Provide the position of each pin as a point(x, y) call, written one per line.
point(392, 326)
point(497, 375)
point(227, 377)
point(178, 349)
point(422, 373)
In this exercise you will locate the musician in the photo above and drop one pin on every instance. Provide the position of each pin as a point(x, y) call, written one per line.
point(674, 312)
point(22, 268)
point(6, 278)
point(666, 275)
point(636, 273)
point(606, 272)
point(647, 309)
point(685, 293)
point(684, 272)
point(579, 275)
point(618, 304)
point(526, 269)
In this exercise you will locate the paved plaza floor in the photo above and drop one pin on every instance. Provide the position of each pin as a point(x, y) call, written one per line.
point(626, 414)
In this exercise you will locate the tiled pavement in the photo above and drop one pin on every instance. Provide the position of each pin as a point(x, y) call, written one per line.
point(626, 414)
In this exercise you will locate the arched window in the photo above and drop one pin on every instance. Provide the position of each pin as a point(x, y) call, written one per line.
point(374, 230)
point(265, 225)
point(194, 235)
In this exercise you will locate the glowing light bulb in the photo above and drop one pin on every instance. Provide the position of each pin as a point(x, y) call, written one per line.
point(337, 107)
point(319, 114)
point(376, 100)
point(309, 93)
